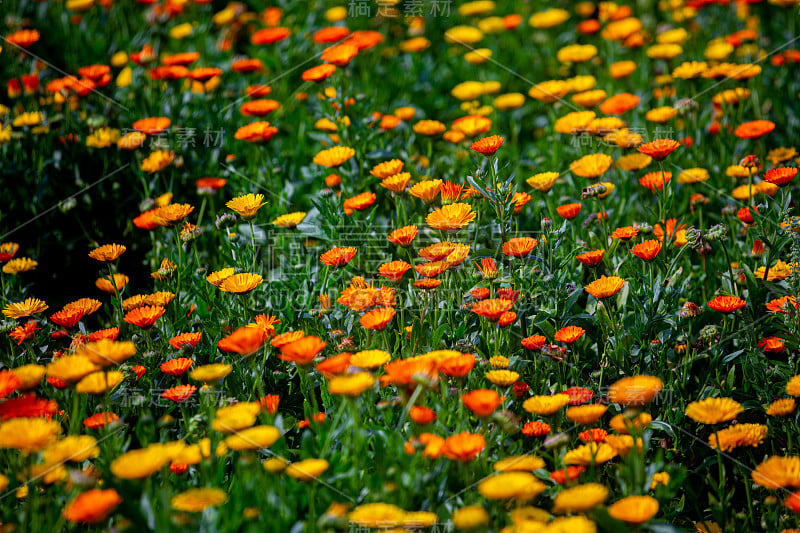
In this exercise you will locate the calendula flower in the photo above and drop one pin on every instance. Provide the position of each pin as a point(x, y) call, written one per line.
point(780, 176)
point(713, 410)
point(782, 407)
point(452, 217)
point(635, 390)
point(20, 265)
point(569, 334)
point(754, 129)
point(291, 220)
point(488, 145)
point(482, 402)
point(592, 258)
point(647, 250)
point(586, 414)
point(334, 157)
point(256, 132)
point(351, 384)
point(778, 472)
point(244, 341)
point(179, 394)
point(377, 319)
point(521, 486)
point(659, 149)
point(338, 257)
point(210, 373)
point(247, 205)
point(464, 447)
point(302, 351)
point(241, 283)
point(25, 308)
point(738, 435)
point(580, 498)
point(545, 405)
point(92, 506)
point(591, 166)
point(726, 304)
point(589, 454)
point(29, 435)
point(634, 509)
point(98, 383)
point(519, 246)
point(158, 160)
point(198, 500)
point(144, 317)
point(605, 287)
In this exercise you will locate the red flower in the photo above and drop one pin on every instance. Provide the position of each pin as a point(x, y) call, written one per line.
point(8, 382)
point(780, 176)
point(27, 406)
point(520, 388)
point(569, 334)
point(534, 342)
point(745, 214)
point(569, 211)
point(579, 395)
point(592, 258)
point(726, 304)
point(488, 145)
point(535, 429)
point(569, 473)
point(99, 420)
point(593, 435)
point(179, 394)
point(24, 333)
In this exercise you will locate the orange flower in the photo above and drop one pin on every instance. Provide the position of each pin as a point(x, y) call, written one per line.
point(9, 382)
point(92, 506)
point(405, 372)
point(458, 366)
point(179, 341)
point(655, 180)
point(270, 403)
point(625, 233)
point(592, 258)
point(358, 202)
point(569, 211)
point(605, 286)
point(591, 166)
point(144, 316)
point(394, 270)
point(422, 415)
point(535, 429)
point(24, 333)
point(451, 217)
point(619, 104)
point(659, 149)
point(726, 304)
point(569, 334)
point(270, 35)
point(152, 125)
point(176, 367)
point(482, 402)
point(67, 318)
point(488, 145)
point(492, 309)
point(472, 125)
point(256, 132)
point(403, 236)
point(340, 54)
point(754, 129)
point(377, 318)
point(179, 394)
point(519, 246)
point(244, 341)
point(464, 446)
point(647, 250)
point(534, 342)
point(99, 420)
point(171, 214)
point(338, 257)
point(335, 364)
point(487, 268)
point(780, 176)
point(107, 252)
point(258, 108)
point(319, 73)
point(431, 269)
point(303, 351)
point(104, 284)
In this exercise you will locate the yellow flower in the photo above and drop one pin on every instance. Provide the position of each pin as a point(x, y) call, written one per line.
point(28, 119)
point(26, 308)
point(426, 190)
point(520, 486)
point(99, 382)
point(673, 36)
point(576, 53)
point(690, 69)
point(498, 361)
point(351, 384)
point(451, 217)
point(247, 205)
point(143, 462)
point(659, 478)
point(519, 463)
point(71, 368)
point(28, 434)
point(693, 175)
point(586, 414)
point(158, 160)
point(290, 220)
point(543, 181)
point(635, 390)
point(333, 157)
point(476, 7)
point(591, 166)
point(216, 278)
point(580, 498)
point(509, 101)
point(782, 407)
point(478, 56)
point(634, 509)
point(469, 517)
point(30, 376)
point(425, 127)
point(545, 405)
point(661, 115)
point(370, 359)
point(549, 91)
point(197, 500)
point(738, 435)
point(106, 352)
point(592, 452)
point(574, 123)
point(75, 448)
point(253, 438)
point(103, 138)
point(664, 51)
point(713, 410)
point(19, 265)
point(107, 252)
point(468, 90)
point(241, 283)
point(210, 373)
point(549, 18)
point(778, 472)
point(463, 35)
point(307, 470)
point(621, 69)
point(275, 465)
point(793, 386)
point(180, 31)
point(502, 378)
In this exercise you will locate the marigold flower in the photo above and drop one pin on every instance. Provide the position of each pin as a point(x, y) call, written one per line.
point(519, 246)
point(463, 447)
point(535, 429)
point(520, 486)
point(659, 149)
point(290, 220)
point(240, 283)
point(569, 334)
point(338, 257)
point(377, 319)
point(545, 405)
point(92, 506)
point(403, 236)
point(99, 420)
point(591, 166)
point(605, 286)
point(593, 435)
point(319, 73)
point(738, 435)
point(247, 205)
point(619, 104)
point(98, 383)
point(19, 265)
point(580, 498)
point(426, 190)
point(586, 414)
point(590, 453)
point(152, 125)
point(67, 318)
point(334, 157)
point(256, 132)
point(488, 145)
point(29, 435)
point(726, 304)
point(634, 509)
point(780, 176)
point(647, 250)
point(451, 217)
point(754, 129)
point(177, 366)
point(244, 341)
point(713, 410)
point(491, 309)
point(179, 394)
point(198, 500)
point(635, 390)
point(782, 407)
point(351, 384)
point(144, 317)
point(482, 402)
point(592, 258)
point(778, 472)
point(258, 108)
point(302, 351)
point(270, 35)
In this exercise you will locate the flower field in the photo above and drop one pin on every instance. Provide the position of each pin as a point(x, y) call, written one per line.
point(396, 265)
